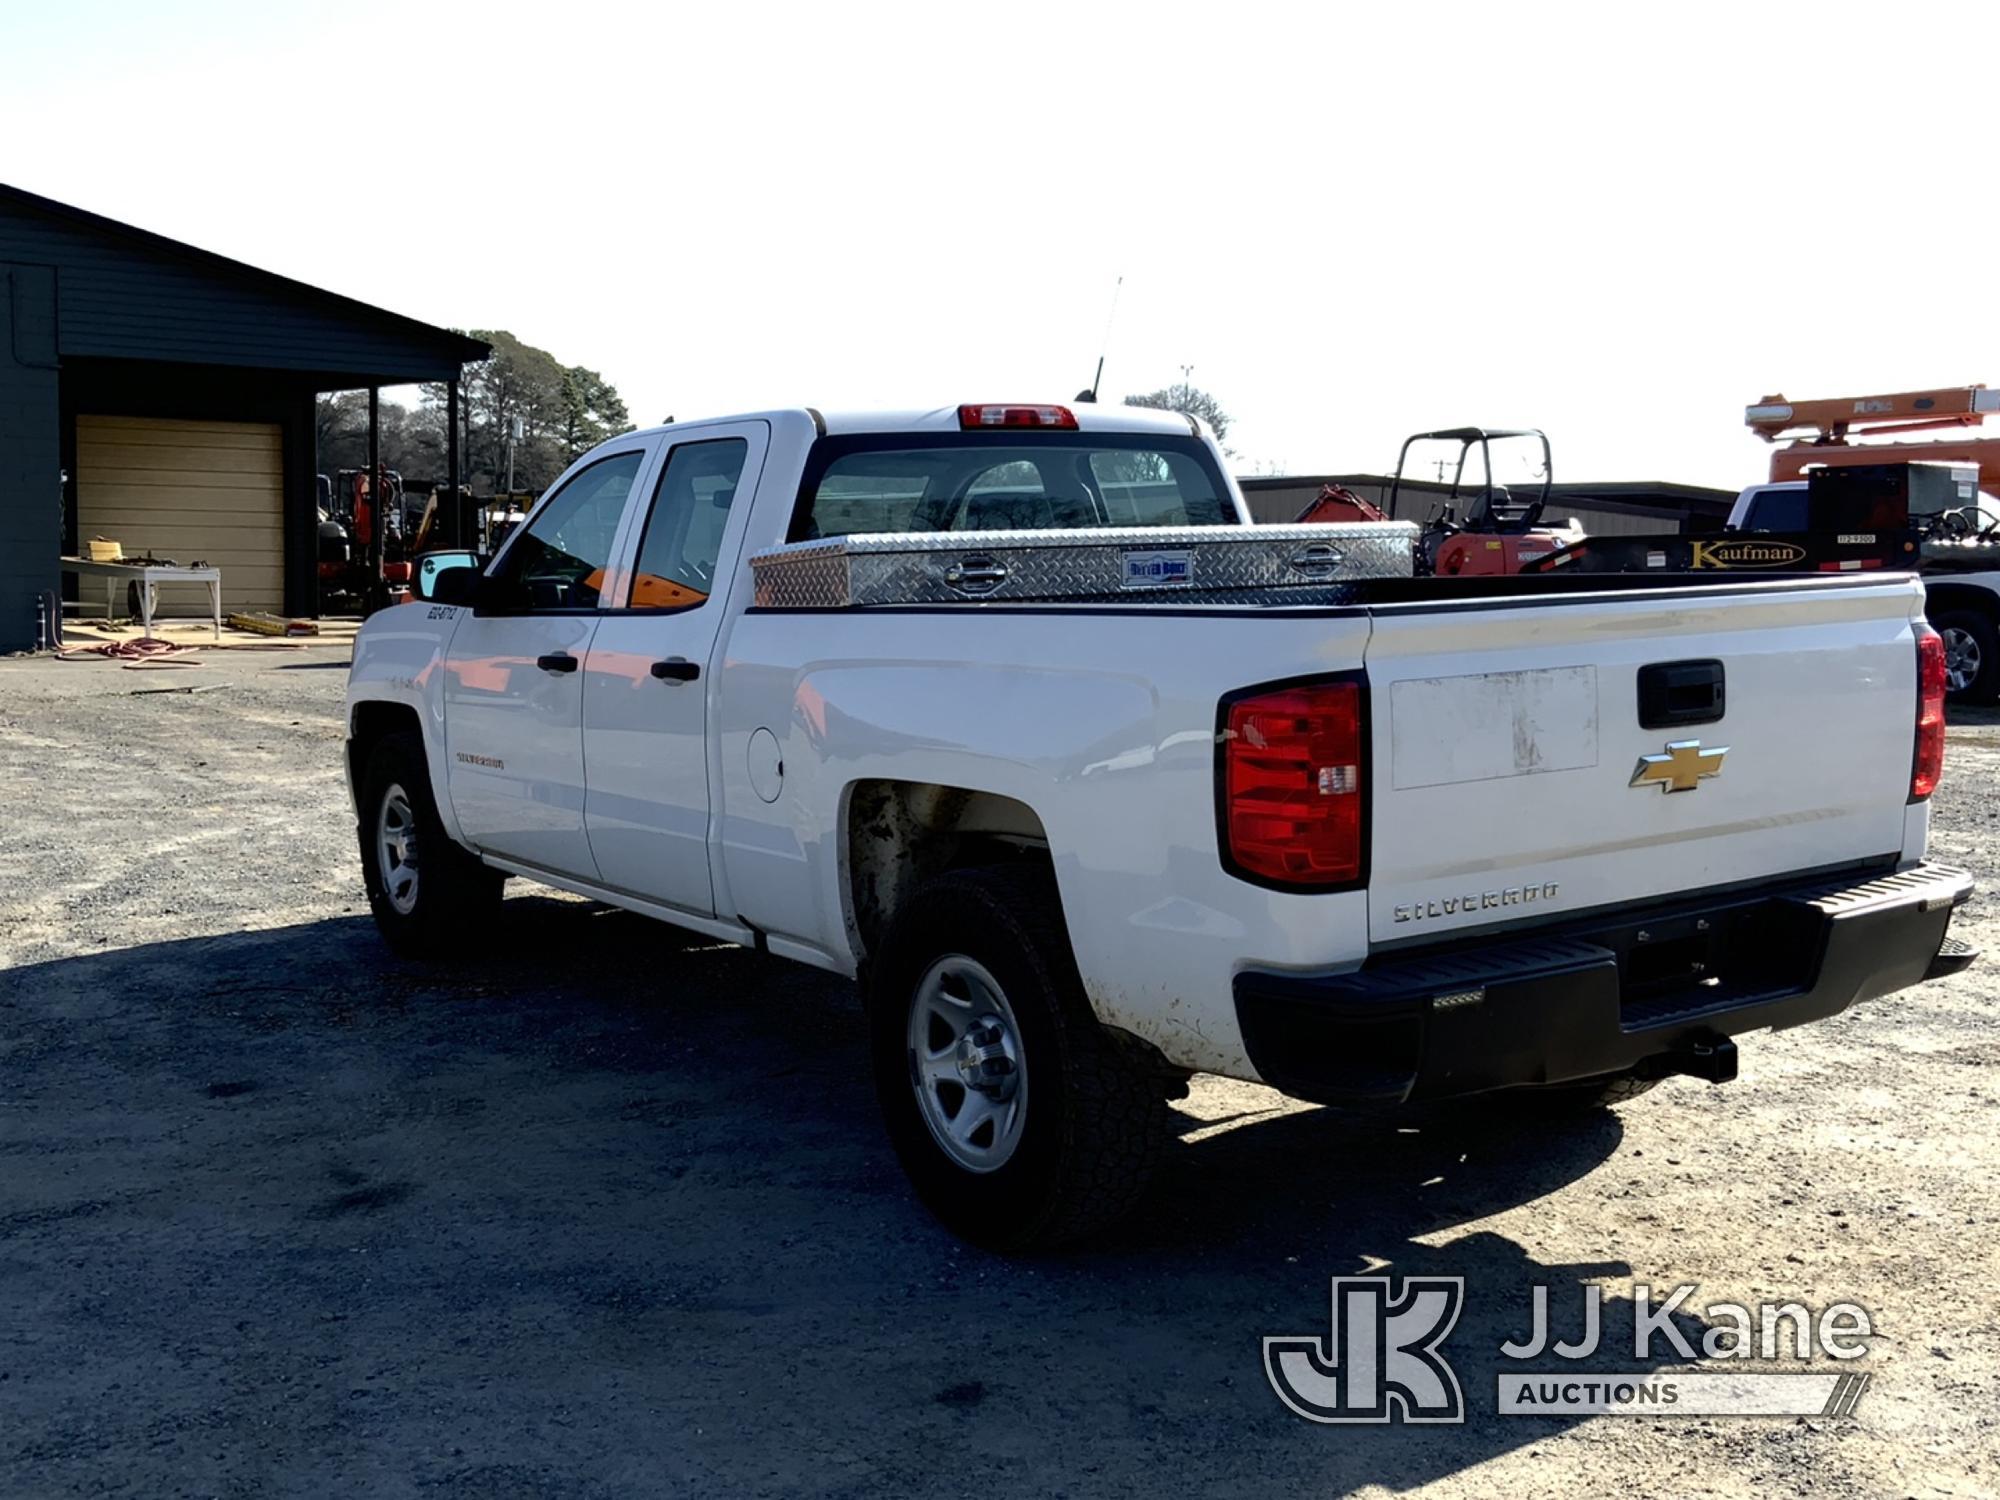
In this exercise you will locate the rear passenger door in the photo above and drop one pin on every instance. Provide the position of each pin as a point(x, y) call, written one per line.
point(647, 681)
point(513, 696)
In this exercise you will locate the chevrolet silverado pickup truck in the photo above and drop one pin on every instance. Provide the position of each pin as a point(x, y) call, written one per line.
point(1009, 714)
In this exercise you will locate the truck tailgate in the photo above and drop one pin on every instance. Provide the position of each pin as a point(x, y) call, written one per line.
point(1506, 738)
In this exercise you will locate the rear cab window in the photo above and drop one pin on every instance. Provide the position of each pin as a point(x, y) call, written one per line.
point(1799, 510)
point(970, 481)
point(1776, 510)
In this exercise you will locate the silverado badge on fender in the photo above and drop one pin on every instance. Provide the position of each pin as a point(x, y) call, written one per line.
point(1683, 768)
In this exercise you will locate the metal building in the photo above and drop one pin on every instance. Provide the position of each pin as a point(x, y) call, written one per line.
point(163, 395)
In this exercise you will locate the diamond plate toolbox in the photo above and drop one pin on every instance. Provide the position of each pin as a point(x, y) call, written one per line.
point(1097, 563)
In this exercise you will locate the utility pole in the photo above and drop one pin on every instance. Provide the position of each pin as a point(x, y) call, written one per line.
point(514, 430)
point(1187, 384)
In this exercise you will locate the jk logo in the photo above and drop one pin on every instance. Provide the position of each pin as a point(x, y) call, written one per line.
point(1380, 1363)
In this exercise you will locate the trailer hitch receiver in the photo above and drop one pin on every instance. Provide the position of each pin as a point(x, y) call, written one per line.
point(1713, 1058)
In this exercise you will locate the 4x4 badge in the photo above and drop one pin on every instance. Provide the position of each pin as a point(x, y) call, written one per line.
point(1683, 768)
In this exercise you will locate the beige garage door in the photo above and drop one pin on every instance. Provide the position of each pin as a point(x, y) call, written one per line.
point(193, 491)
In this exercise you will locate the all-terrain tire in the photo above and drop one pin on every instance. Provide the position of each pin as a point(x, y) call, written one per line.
point(446, 904)
point(1094, 1116)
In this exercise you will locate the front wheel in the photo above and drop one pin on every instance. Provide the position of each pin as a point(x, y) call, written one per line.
point(1020, 1119)
point(430, 896)
point(1971, 655)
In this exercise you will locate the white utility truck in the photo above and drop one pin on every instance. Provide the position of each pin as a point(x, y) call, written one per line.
point(1007, 712)
point(1958, 556)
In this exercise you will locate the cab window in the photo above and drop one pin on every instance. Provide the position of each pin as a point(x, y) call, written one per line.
point(1145, 487)
point(558, 561)
point(1776, 510)
point(683, 538)
point(974, 481)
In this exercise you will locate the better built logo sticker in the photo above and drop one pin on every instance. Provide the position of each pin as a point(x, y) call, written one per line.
point(1380, 1363)
point(1156, 568)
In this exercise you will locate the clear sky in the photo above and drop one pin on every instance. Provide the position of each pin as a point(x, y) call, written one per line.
point(1621, 223)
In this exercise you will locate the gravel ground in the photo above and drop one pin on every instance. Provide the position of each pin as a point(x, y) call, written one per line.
point(608, 1213)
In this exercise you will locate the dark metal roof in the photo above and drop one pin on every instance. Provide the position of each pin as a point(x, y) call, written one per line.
point(127, 293)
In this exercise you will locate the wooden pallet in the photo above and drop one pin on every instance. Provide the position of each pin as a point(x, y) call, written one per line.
point(269, 624)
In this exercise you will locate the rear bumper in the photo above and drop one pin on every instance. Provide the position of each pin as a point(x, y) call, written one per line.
point(1632, 989)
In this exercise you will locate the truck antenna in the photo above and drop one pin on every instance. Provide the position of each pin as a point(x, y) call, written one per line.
point(1105, 348)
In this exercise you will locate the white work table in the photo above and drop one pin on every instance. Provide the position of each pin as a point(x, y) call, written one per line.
point(148, 576)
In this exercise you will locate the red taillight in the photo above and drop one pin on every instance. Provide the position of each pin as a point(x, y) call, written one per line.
point(1293, 782)
point(1017, 416)
point(1928, 763)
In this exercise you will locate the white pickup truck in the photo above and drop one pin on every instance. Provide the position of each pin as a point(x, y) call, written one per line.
point(1370, 841)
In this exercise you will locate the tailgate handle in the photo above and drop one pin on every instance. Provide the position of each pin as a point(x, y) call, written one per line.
point(1676, 693)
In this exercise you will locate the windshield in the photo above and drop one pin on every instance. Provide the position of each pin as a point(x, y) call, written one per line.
point(977, 482)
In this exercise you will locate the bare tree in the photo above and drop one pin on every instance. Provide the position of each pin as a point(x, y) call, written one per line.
point(1190, 400)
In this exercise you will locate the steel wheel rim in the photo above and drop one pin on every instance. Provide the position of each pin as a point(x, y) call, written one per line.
point(1962, 659)
point(966, 1063)
point(396, 849)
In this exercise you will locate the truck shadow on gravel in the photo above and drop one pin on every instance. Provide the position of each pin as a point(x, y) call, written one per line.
point(612, 1202)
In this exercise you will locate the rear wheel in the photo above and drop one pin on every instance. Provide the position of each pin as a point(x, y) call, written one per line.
point(1020, 1119)
point(1971, 655)
point(429, 895)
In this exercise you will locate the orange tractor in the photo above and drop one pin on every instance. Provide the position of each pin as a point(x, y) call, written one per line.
point(1499, 534)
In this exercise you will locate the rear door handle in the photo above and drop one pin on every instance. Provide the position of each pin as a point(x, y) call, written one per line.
point(556, 661)
point(676, 669)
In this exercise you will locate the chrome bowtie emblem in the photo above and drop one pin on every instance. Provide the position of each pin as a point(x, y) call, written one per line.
point(1683, 768)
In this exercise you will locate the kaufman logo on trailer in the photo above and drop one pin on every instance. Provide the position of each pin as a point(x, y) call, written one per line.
point(1746, 553)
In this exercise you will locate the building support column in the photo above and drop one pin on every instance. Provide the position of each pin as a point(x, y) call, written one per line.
point(456, 534)
point(33, 498)
point(300, 470)
point(378, 515)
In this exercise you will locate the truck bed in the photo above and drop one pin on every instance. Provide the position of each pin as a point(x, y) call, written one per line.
point(1360, 595)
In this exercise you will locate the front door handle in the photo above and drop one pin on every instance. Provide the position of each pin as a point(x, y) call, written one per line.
point(556, 661)
point(676, 669)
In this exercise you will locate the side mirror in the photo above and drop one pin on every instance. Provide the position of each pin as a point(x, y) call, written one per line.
point(445, 577)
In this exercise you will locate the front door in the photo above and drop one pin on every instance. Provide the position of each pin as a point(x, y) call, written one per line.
point(647, 681)
point(513, 695)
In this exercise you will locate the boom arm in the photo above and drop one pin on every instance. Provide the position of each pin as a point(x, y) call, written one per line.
point(1822, 429)
point(1833, 420)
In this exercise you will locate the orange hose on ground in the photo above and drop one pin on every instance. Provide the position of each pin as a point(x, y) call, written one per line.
point(146, 651)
